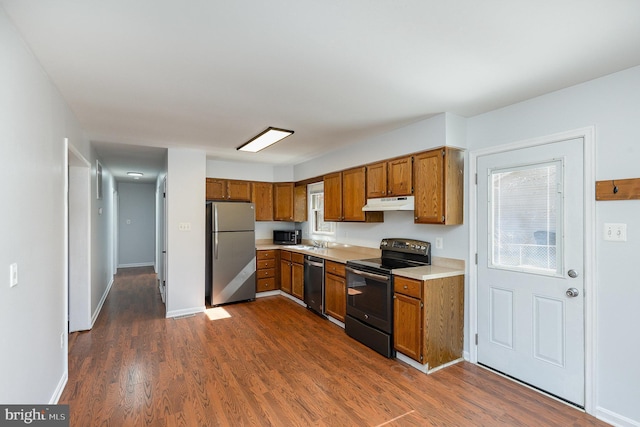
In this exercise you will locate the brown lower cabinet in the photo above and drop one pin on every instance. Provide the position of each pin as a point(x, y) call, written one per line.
point(292, 273)
point(335, 290)
point(266, 271)
point(428, 319)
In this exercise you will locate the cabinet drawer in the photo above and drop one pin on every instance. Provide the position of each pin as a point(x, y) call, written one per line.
point(267, 272)
point(268, 284)
point(271, 254)
point(286, 255)
point(409, 287)
point(334, 268)
point(297, 258)
point(268, 263)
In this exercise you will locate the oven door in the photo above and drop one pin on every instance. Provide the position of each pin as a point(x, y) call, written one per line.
point(370, 298)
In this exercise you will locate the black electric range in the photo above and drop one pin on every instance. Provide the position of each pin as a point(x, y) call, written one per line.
point(396, 253)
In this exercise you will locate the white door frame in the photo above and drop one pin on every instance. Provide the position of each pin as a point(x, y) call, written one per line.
point(78, 239)
point(588, 136)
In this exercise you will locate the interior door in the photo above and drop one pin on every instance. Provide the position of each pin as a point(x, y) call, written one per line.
point(530, 263)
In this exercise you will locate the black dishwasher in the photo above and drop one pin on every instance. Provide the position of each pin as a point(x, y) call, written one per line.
point(314, 283)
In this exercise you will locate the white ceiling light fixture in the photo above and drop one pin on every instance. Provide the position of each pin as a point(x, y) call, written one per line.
point(135, 175)
point(266, 138)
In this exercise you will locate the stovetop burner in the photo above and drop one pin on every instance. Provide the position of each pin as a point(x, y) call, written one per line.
point(397, 253)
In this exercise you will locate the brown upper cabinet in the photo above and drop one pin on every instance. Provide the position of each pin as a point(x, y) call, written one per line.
point(300, 203)
point(262, 198)
point(283, 201)
point(228, 189)
point(345, 195)
point(438, 180)
point(390, 178)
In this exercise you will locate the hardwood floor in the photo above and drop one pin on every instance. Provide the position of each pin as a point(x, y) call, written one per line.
point(271, 362)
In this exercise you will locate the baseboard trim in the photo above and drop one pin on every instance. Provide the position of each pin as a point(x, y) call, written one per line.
point(184, 312)
point(96, 313)
point(60, 388)
point(137, 264)
point(615, 419)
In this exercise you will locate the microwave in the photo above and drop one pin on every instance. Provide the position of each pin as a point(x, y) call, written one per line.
point(287, 237)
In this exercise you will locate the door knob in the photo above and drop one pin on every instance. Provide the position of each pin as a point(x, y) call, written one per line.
point(572, 292)
point(572, 273)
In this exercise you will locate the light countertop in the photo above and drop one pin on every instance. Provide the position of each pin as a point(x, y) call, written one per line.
point(441, 267)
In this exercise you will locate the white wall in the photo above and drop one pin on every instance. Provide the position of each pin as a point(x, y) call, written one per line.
point(186, 172)
point(34, 122)
point(612, 104)
point(101, 237)
point(136, 224)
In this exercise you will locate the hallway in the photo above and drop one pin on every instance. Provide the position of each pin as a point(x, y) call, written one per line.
point(269, 362)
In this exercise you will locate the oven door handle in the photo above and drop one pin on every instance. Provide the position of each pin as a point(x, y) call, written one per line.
point(369, 275)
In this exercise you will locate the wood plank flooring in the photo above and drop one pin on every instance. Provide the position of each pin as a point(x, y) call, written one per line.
point(271, 362)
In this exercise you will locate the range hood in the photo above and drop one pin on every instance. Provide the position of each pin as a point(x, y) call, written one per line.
point(404, 203)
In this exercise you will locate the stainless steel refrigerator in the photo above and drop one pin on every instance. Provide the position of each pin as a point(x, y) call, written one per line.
point(231, 252)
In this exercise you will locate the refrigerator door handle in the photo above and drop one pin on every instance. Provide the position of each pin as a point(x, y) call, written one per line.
point(215, 245)
point(215, 218)
point(215, 231)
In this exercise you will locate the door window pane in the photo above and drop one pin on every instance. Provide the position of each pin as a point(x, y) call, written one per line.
point(526, 212)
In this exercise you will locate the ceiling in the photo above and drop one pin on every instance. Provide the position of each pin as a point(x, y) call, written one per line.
point(210, 74)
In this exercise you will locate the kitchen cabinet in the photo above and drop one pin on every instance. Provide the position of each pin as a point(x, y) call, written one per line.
point(292, 273)
point(300, 203)
point(345, 195)
point(262, 198)
point(429, 319)
point(390, 178)
point(335, 290)
point(438, 186)
point(283, 201)
point(228, 190)
point(297, 275)
point(266, 271)
point(285, 271)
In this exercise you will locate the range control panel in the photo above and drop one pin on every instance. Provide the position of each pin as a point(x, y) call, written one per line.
point(406, 245)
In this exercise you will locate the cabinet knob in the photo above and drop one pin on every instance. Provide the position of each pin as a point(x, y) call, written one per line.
point(406, 287)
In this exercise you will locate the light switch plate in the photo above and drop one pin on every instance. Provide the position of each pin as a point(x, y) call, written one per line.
point(184, 226)
point(615, 232)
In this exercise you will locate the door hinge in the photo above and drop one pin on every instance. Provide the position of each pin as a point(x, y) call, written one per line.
point(476, 258)
point(443, 153)
point(476, 339)
point(443, 218)
point(421, 303)
point(164, 195)
point(476, 179)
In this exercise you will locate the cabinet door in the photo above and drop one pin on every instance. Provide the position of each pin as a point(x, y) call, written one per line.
point(262, 198)
point(285, 276)
point(300, 203)
point(216, 189)
point(333, 197)
point(377, 180)
point(399, 177)
point(239, 190)
point(283, 201)
point(428, 170)
point(335, 299)
point(297, 280)
point(354, 196)
point(407, 326)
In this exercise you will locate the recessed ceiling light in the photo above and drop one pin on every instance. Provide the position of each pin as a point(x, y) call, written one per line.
point(265, 139)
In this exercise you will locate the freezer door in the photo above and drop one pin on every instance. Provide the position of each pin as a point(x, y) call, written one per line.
point(233, 217)
point(233, 268)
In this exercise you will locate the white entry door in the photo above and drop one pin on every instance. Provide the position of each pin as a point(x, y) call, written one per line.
point(530, 265)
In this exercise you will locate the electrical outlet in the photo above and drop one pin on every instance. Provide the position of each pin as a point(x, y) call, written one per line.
point(615, 232)
point(438, 242)
point(13, 274)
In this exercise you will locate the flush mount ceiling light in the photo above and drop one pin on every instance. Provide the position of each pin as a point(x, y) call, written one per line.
point(135, 175)
point(265, 139)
